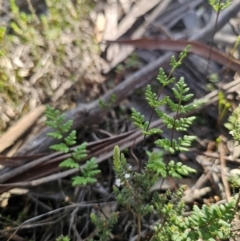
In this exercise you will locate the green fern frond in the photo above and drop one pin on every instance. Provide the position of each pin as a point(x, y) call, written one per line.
point(178, 170)
point(219, 5)
point(163, 78)
point(90, 168)
point(69, 163)
point(181, 144)
point(183, 109)
point(56, 135)
point(66, 126)
point(211, 222)
point(151, 97)
point(183, 124)
point(156, 164)
point(56, 120)
point(174, 63)
point(138, 120)
point(180, 91)
point(152, 131)
point(184, 53)
point(233, 124)
point(88, 172)
point(60, 147)
point(71, 138)
point(82, 181)
point(190, 107)
point(80, 152)
point(165, 144)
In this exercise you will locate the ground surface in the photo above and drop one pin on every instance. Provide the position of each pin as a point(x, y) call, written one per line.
point(96, 71)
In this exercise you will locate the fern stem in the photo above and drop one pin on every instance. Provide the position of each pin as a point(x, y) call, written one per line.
point(149, 122)
point(139, 226)
point(174, 123)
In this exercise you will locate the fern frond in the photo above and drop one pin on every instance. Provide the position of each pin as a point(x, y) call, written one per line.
point(219, 5)
point(163, 78)
point(138, 120)
point(90, 168)
point(211, 222)
point(71, 138)
point(60, 147)
point(151, 97)
point(178, 170)
point(79, 180)
point(180, 91)
point(233, 124)
point(174, 63)
point(66, 126)
point(173, 106)
point(152, 131)
point(156, 164)
point(57, 134)
point(88, 172)
point(69, 163)
point(181, 144)
point(183, 124)
point(165, 144)
point(80, 152)
point(166, 119)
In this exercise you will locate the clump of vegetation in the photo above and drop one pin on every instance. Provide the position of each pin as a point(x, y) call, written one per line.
point(56, 120)
point(132, 189)
point(41, 52)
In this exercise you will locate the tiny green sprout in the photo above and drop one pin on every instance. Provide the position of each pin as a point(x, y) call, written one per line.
point(63, 238)
point(102, 104)
point(213, 78)
point(233, 124)
point(219, 5)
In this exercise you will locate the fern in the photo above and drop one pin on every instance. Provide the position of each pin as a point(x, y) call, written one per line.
point(181, 144)
point(61, 127)
point(104, 225)
point(233, 124)
point(139, 120)
point(163, 78)
point(133, 189)
point(219, 5)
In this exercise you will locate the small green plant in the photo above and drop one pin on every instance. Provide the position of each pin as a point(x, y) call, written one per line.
point(49, 48)
point(61, 127)
point(104, 225)
point(63, 238)
point(219, 5)
point(208, 223)
point(233, 124)
point(133, 189)
point(223, 106)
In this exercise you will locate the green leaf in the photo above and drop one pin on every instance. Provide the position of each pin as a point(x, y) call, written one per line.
point(71, 139)
point(56, 135)
point(69, 163)
point(83, 181)
point(90, 168)
point(62, 147)
point(138, 120)
point(66, 126)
